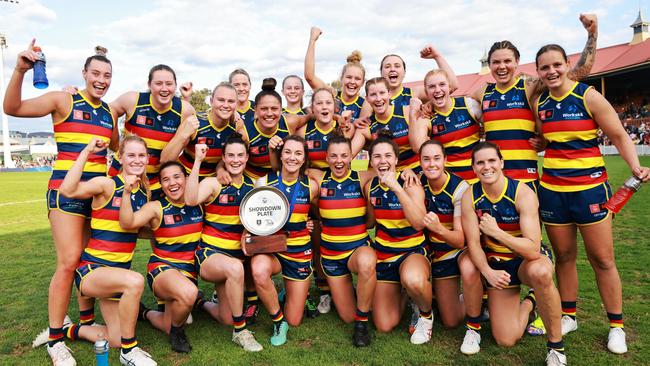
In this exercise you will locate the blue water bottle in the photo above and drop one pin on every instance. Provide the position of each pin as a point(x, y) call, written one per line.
point(101, 351)
point(40, 77)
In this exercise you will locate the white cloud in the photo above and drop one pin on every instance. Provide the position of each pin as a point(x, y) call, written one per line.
point(203, 41)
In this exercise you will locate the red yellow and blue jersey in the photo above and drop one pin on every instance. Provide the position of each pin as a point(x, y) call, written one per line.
point(222, 227)
point(398, 126)
point(177, 237)
point(458, 131)
point(214, 138)
point(317, 142)
point(299, 112)
point(259, 161)
point(394, 233)
point(342, 209)
point(403, 98)
point(299, 247)
point(248, 114)
point(504, 211)
point(109, 244)
point(442, 204)
point(355, 106)
point(572, 160)
point(73, 134)
point(157, 128)
point(509, 123)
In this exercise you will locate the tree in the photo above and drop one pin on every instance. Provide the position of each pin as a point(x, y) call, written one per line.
point(198, 99)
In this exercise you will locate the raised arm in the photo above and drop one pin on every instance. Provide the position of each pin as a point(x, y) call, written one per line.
point(56, 103)
point(310, 61)
point(150, 213)
point(72, 186)
point(182, 137)
point(430, 52)
point(195, 192)
point(528, 244)
point(607, 119)
point(295, 122)
point(534, 86)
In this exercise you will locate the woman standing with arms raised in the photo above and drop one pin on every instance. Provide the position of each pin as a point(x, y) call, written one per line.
point(76, 119)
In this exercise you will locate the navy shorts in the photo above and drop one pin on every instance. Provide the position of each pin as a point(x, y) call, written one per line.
point(204, 252)
point(446, 266)
point(83, 271)
point(512, 267)
point(580, 208)
point(294, 270)
point(72, 206)
point(388, 264)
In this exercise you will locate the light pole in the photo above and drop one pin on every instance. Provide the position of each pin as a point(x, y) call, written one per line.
point(9, 163)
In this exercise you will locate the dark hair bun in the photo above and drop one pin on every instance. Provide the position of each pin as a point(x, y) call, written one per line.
point(269, 84)
point(101, 51)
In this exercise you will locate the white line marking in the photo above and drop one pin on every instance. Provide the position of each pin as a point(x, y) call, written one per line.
point(20, 202)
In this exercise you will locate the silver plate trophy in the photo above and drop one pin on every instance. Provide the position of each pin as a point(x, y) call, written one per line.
point(264, 211)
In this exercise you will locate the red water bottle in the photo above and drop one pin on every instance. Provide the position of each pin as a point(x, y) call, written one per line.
point(620, 198)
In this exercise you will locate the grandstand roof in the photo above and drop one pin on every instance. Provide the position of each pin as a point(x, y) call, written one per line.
point(609, 60)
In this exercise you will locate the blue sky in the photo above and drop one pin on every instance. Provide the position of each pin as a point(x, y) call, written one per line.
point(205, 40)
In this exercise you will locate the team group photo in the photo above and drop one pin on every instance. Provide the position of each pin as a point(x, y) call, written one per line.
point(281, 189)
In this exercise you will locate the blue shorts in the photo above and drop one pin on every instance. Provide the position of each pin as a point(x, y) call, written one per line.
point(337, 267)
point(512, 267)
point(72, 206)
point(84, 270)
point(388, 268)
point(580, 208)
point(294, 270)
point(151, 279)
point(203, 252)
point(447, 267)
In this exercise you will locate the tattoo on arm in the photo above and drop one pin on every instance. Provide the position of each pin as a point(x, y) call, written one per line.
point(586, 61)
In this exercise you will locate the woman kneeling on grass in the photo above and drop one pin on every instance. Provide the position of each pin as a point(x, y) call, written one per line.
point(400, 245)
point(295, 264)
point(171, 270)
point(219, 255)
point(104, 271)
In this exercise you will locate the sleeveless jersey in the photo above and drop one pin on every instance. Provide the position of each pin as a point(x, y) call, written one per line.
point(403, 98)
point(458, 132)
point(73, 134)
point(259, 162)
point(177, 237)
point(299, 241)
point(354, 106)
point(214, 137)
point(317, 143)
point(222, 227)
point(572, 160)
point(442, 204)
point(394, 233)
point(504, 211)
point(157, 128)
point(343, 215)
point(248, 114)
point(398, 125)
point(509, 123)
point(109, 244)
point(299, 112)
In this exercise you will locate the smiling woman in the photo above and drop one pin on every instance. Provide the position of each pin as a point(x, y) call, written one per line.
point(76, 119)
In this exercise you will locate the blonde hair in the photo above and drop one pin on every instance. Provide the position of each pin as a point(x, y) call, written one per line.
point(377, 80)
point(353, 60)
point(127, 138)
point(435, 72)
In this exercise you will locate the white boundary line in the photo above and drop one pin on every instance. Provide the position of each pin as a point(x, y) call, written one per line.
point(20, 202)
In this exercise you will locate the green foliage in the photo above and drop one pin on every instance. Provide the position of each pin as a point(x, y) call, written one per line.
point(28, 260)
point(198, 98)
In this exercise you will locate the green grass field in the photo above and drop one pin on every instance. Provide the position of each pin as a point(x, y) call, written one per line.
point(27, 262)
